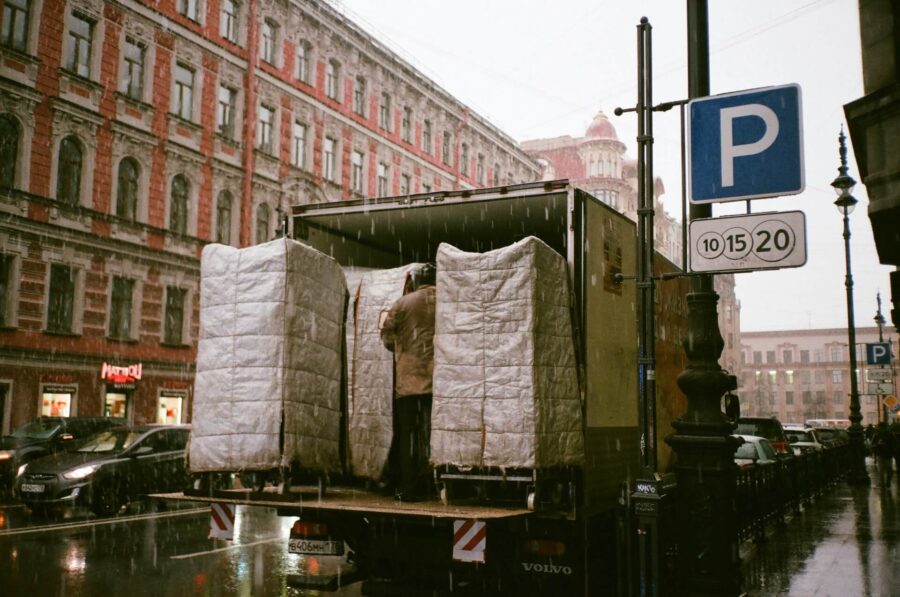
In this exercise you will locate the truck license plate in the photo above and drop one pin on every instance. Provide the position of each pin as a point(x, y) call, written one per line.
point(316, 547)
point(32, 488)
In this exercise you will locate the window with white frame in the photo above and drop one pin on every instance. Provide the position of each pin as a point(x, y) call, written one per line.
point(264, 136)
point(183, 101)
point(464, 159)
point(133, 69)
point(406, 124)
point(225, 111)
point(262, 223)
point(268, 41)
point(329, 149)
point(332, 79)
point(445, 148)
point(223, 218)
point(16, 14)
point(479, 169)
point(189, 8)
point(303, 58)
point(178, 208)
point(359, 96)
point(8, 277)
point(79, 45)
point(228, 20)
point(384, 111)
point(426, 137)
point(121, 305)
point(173, 329)
point(61, 298)
point(404, 184)
point(382, 179)
point(356, 171)
point(837, 354)
point(298, 151)
point(837, 376)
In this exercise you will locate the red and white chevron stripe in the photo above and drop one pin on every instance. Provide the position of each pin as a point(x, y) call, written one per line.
point(221, 521)
point(469, 540)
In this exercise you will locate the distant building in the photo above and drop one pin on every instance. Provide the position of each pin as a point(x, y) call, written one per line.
point(797, 375)
point(597, 163)
point(134, 133)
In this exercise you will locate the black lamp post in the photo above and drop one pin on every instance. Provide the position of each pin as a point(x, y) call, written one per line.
point(880, 321)
point(843, 186)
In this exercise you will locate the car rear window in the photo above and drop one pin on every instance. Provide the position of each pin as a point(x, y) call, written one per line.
point(766, 428)
point(747, 450)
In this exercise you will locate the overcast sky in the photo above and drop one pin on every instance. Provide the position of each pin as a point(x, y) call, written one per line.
point(542, 69)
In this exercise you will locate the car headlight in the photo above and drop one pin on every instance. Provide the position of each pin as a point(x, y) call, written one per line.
point(21, 470)
point(6, 454)
point(81, 472)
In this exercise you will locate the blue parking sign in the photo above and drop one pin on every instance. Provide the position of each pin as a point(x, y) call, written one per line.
point(878, 353)
point(745, 145)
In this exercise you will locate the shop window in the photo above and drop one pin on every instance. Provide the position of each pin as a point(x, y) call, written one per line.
point(120, 314)
point(116, 405)
point(262, 223)
point(223, 218)
point(170, 408)
point(9, 151)
point(174, 327)
point(126, 194)
point(15, 24)
point(61, 302)
point(68, 176)
point(178, 207)
point(56, 402)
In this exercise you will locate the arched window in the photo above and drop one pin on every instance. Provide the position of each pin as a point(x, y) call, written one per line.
point(223, 218)
point(68, 177)
point(178, 209)
point(126, 198)
point(9, 150)
point(262, 223)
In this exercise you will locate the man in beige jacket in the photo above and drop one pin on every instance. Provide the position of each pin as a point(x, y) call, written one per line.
point(408, 332)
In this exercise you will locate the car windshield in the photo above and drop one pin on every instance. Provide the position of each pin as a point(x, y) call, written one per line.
point(37, 429)
point(799, 436)
point(747, 450)
point(112, 441)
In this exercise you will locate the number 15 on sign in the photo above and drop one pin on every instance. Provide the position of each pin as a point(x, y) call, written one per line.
point(748, 242)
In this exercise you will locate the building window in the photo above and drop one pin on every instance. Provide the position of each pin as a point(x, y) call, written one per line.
point(804, 377)
point(68, 177)
point(426, 137)
point(225, 112)
point(445, 148)
point(7, 289)
point(807, 397)
point(819, 376)
point(178, 209)
point(772, 377)
point(426, 188)
point(384, 111)
point(837, 354)
point(329, 150)
point(382, 178)
point(120, 308)
point(838, 397)
point(262, 223)
point(359, 96)
point(406, 125)
point(356, 171)
point(332, 79)
point(15, 24)
point(787, 356)
point(189, 8)
point(9, 151)
point(788, 397)
point(837, 376)
point(61, 305)
point(264, 132)
point(133, 70)
point(81, 37)
point(268, 40)
point(479, 169)
point(228, 20)
point(299, 148)
point(127, 191)
point(464, 159)
point(303, 51)
point(770, 356)
point(495, 180)
point(789, 377)
point(819, 355)
point(404, 184)
point(223, 218)
point(174, 327)
point(183, 102)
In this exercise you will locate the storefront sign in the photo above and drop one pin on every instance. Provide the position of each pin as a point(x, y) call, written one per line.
point(173, 384)
point(121, 375)
point(57, 378)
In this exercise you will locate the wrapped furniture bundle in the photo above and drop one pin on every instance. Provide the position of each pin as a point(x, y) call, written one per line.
point(371, 371)
point(269, 359)
point(506, 390)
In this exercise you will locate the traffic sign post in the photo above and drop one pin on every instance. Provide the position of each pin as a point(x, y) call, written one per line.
point(878, 353)
point(745, 145)
point(748, 242)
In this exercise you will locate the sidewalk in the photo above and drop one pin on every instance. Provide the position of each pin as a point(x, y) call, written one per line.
point(845, 544)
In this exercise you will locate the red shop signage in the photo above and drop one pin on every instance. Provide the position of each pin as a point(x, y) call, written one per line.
point(129, 373)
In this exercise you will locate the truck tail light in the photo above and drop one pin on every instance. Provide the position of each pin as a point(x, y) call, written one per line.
point(544, 547)
point(303, 528)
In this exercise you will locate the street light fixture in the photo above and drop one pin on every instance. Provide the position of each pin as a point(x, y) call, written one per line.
point(843, 186)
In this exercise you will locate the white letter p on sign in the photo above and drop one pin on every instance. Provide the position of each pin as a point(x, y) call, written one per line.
point(730, 150)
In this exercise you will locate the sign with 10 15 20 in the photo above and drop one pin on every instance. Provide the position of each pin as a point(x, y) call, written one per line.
point(748, 242)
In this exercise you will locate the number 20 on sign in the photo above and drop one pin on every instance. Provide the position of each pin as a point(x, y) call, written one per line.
point(749, 242)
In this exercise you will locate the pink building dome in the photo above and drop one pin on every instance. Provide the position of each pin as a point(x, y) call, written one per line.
point(601, 128)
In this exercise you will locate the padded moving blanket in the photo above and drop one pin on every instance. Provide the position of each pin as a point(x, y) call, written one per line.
point(371, 370)
point(269, 359)
point(506, 390)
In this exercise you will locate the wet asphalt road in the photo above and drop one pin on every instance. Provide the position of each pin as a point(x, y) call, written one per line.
point(152, 553)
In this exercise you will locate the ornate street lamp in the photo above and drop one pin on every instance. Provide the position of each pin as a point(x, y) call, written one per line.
point(843, 186)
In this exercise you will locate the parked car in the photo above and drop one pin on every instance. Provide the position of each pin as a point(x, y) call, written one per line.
point(754, 451)
point(767, 427)
point(108, 470)
point(802, 439)
point(831, 437)
point(43, 436)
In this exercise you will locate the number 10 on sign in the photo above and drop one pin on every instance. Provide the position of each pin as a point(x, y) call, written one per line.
point(749, 242)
